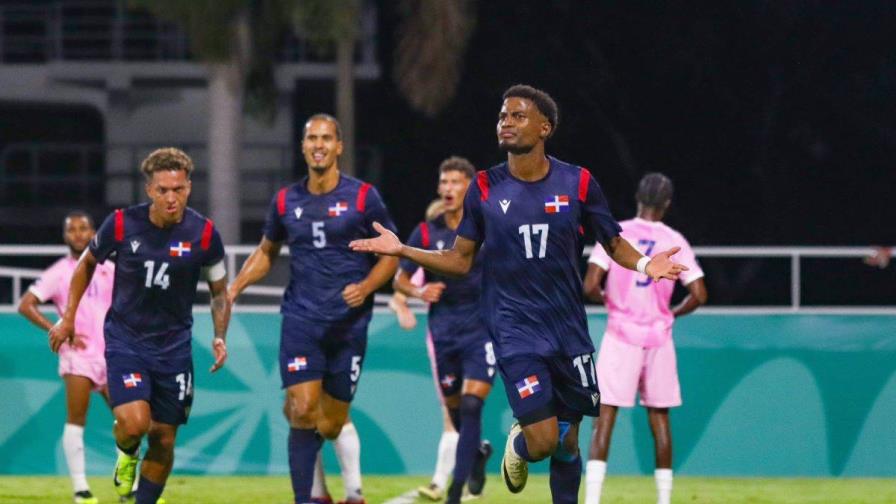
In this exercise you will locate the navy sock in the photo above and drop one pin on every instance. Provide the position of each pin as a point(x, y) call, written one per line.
point(565, 480)
point(467, 443)
point(148, 492)
point(130, 451)
point(519, 445)
point(303, 447)
point(454, 414)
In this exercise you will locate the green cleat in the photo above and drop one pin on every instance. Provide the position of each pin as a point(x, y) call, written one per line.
point(125, 473)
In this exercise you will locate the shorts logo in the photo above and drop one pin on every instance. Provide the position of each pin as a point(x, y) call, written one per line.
point(447, 381)
point(297, 364)
point(528, 386)
point(131, 380)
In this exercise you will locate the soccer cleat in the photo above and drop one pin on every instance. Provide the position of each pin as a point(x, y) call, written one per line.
point(514, 467)
point(85, 497)
point(477, 478)
point(131, 497)
point(432, 492)
point(125, 472)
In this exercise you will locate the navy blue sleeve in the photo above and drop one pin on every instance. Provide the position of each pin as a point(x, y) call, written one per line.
point(273, 225)
point(596, 214)
point(375, 211)
point(415, 240)
point(215, 252)
point(471, 226)
point(103, 243)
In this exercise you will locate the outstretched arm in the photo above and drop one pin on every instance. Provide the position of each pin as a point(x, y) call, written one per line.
point(454, 262)
point(255, 268)
point(658, 267)
point(220, 307)
point(64, 329)
point(696, 296)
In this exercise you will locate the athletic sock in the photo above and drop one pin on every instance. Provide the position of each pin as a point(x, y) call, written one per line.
point(73, 446)
point(319, 483)
point(595, 471)
point(565, 480)
point(454, 413)
point(148, 492)
point(663, 485)
point(348, 452)
point(445, 460)
point(521, 449)
point(468, 442)
point(303, 446)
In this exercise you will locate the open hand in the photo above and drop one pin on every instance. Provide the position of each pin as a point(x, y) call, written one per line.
point(219, 348)
point(661, 266)
point(386, 243)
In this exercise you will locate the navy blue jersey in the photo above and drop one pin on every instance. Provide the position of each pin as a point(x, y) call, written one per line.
point(532, 290)
point(458, 314)
point(318, 229)
point(156, 272)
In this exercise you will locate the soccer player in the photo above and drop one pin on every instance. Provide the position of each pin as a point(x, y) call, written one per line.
point(328, 303)
point(637, 353)
point(530, 212)
point(464, 357)
point(160, 250)
point(81, 364)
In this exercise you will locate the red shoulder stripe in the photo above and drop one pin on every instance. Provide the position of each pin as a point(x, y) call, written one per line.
point(207, 234)
point(362, 197)
point(281, 202)
point(584, 178)
point(424, 234)
point(482, 182)
point(119, 225)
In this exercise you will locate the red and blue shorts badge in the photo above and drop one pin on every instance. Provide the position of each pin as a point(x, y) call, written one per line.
point(528, 386)
point(297, 364)
point(132, 380)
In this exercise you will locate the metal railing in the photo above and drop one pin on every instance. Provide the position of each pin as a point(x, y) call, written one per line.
point(271, 293)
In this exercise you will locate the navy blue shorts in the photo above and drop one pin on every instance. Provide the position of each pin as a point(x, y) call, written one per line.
point(542, 387)
point(166, 384)
point(332, 354)
point(456, 363)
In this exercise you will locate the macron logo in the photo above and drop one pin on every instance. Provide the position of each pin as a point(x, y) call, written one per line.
point(134, 246)
point(298, 212)
point(505, 204)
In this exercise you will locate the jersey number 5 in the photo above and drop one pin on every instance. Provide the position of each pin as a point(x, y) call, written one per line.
point(535, 229)
point(161, 277)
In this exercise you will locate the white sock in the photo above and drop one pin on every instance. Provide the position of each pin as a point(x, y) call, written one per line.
point(73, 446)
point(445, 459)
point(663, 485)
point(319, 484)
point(348, 452)
point(595, 471)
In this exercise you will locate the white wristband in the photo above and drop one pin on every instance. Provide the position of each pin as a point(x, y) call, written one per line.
point(642, 265)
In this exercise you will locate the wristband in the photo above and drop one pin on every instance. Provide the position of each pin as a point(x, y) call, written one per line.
point(642, 265)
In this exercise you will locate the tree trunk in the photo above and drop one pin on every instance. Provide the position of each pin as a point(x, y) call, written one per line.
point(225, 103)
point(345, 102)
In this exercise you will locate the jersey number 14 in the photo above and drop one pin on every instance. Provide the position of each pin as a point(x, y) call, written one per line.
point(160, 278)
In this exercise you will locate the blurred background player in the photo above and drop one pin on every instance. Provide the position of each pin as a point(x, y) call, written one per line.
point(637, 354)
point(530, 212)
point(81, 364)
point(457, 335)
point(160, 249)
point(328, 303)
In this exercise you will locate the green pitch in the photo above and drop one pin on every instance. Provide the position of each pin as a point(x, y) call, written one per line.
point(379, 489)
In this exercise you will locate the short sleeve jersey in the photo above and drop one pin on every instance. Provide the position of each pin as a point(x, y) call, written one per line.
point(533, 231)
point(638, 308)
point(53, 286)
point(318, 228)
point(156, 273)
point(458, 313)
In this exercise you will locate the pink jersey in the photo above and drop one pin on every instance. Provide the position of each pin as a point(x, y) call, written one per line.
point(53, 286)
point(638, 309)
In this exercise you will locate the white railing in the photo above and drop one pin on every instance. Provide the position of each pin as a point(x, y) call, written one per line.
point(274, 292)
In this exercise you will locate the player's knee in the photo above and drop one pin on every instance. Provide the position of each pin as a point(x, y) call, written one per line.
point(301, 413)
point(162, 441)
point(470, 406)
point(329, 429)
point(541, 447)
point(132, 426)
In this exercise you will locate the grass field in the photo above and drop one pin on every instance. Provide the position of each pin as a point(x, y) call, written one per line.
point(380, 489)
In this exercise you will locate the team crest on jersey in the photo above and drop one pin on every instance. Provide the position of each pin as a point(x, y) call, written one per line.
point(528, 386)
point(298, 212)
point(556, 204)
point(337, 209)
point(179, 249)
point(447, 381)
point(132, 380)
point(297, 364)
